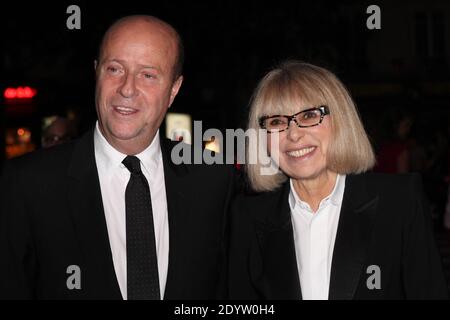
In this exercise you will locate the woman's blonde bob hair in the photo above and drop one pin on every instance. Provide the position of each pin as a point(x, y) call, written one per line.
point(294, 84)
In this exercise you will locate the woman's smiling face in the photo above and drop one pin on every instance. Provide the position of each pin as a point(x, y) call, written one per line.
point(303, 151)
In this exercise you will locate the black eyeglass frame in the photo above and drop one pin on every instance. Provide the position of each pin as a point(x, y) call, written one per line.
point(324, 110)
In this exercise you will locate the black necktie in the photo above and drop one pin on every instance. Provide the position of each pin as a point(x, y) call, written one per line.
point(142, 266)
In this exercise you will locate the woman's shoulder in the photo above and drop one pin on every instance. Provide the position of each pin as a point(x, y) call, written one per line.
point(384, 183)
point(387, 179)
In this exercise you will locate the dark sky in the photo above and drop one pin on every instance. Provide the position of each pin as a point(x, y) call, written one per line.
point(229, 46)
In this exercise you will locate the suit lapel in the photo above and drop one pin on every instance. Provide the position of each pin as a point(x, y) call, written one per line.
point(352, 238)
point(86, 209)
point(178, 219)
point(279, 275)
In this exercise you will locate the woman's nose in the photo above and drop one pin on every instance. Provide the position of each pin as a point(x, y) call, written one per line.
point(294, 132)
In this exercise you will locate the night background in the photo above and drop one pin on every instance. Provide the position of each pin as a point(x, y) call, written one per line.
point(398, 75)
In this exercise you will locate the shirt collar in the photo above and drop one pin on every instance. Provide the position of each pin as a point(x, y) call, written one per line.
point(335, 197)
point(111, 159)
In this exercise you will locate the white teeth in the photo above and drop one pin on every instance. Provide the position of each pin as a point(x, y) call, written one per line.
point(301, 152)
point(125, 110)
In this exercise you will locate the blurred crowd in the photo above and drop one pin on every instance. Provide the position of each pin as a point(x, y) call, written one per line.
point(414, 142)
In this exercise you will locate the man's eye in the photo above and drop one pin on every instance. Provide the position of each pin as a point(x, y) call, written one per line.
point(149, 76)
point(112, 69)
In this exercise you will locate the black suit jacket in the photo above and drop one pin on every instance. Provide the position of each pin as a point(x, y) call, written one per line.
point(384, 221)
point(52, 217)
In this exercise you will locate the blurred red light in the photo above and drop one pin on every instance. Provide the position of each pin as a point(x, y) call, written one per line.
point(19, 93)
point(28, 92)
point(10, 93)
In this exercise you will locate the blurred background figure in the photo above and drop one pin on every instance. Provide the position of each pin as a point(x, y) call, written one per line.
point(394, 154)
point(436, 173)
point(59, 130)
point(447, 212)
point(446, 218)
point(417, 142)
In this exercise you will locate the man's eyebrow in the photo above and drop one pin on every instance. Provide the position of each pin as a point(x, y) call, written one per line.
point(140, 65)
point(149, 67)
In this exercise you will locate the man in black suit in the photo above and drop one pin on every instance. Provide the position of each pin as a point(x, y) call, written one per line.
point(75, 219)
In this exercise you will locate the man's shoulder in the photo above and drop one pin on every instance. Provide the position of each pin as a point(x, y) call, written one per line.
point(261, 203)
point(55, 159)
point(43, 161)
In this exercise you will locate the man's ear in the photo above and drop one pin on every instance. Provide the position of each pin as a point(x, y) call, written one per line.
point(95, 65)
point(175, 88)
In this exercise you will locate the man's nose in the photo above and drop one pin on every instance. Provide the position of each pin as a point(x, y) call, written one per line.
point(128, 86)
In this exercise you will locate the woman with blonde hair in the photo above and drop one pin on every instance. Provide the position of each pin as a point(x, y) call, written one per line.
point(323, 227)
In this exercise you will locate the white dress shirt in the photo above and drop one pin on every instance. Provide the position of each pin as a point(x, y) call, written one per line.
point(114, 177)
point(314, 237)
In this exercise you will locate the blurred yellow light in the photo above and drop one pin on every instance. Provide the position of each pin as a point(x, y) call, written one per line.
point(212, 146)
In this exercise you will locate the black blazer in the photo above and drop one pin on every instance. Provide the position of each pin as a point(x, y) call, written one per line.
point(52, 217)
point(384, 221)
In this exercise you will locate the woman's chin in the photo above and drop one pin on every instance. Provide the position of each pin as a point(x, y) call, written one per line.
point(304, 172)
